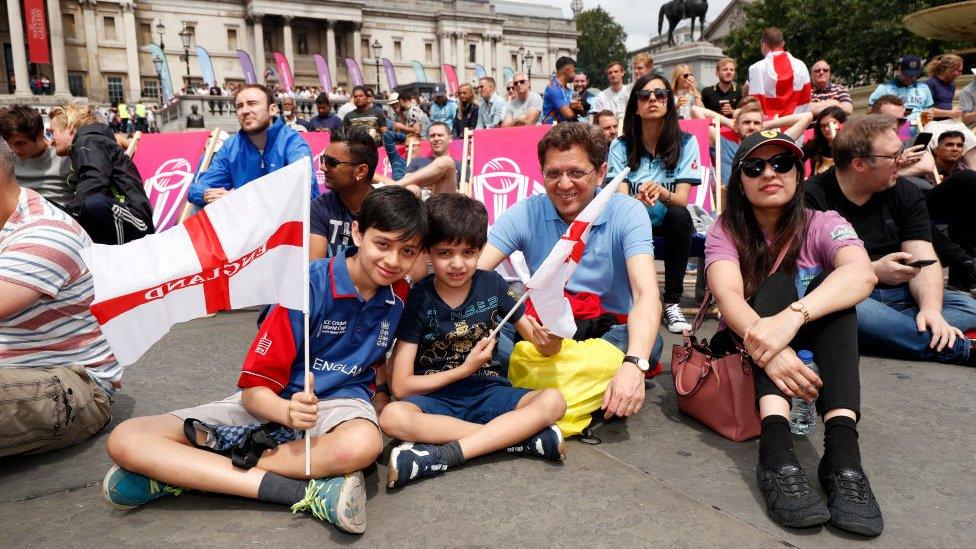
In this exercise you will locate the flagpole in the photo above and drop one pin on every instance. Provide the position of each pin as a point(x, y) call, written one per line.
point(306, 309)
point(509, 315)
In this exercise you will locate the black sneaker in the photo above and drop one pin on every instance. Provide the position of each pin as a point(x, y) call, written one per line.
point(790, 500)
point(852, 504)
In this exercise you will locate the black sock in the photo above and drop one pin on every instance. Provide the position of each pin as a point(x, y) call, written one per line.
point(451, 453)
point(841, 450)
point(776, 443)
point(275, 488)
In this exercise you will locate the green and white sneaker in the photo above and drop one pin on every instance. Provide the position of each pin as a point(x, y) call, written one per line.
point(337, 500)
point(125, 490)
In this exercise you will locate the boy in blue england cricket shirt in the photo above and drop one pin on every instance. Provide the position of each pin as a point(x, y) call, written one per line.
point(247, 445)
point(454, 398)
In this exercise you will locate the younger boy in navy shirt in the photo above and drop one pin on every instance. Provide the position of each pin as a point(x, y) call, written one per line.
point(454, 398)
point(354, 315)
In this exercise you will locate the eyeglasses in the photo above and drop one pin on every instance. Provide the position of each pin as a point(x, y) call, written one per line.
point(821, 70)
point(519, 82)
point(331, 161)
point(686, 75)
point(659, 94)
point(781, 163)
point(895, 156)
point(509, 88)
point(575, 174)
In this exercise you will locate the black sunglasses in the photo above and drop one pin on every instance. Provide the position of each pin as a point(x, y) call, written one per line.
point(659, 94)
point(781, 163)
point(331, 161)
point(519, 82)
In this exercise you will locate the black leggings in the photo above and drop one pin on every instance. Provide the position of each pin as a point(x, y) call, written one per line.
point(832, 338)
point(677, 228)
point(951, 202)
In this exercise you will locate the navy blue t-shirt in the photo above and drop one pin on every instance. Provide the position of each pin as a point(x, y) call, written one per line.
point(445, 335)
point(330, 218)
point(419, 163)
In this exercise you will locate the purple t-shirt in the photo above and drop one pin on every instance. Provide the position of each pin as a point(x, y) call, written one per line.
point(828, 232)
point(942, 92)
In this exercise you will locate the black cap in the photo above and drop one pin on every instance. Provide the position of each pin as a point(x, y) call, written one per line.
point(759, 139)
point(910, 65)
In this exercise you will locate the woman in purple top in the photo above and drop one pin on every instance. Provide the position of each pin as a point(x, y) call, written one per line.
point(808, 303)
point(944, 70)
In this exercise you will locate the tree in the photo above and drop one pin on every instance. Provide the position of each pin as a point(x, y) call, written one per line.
point(861, 39)
point(601, 41)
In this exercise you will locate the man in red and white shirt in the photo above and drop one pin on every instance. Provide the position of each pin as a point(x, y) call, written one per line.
point(57, 373)
point(779, 81)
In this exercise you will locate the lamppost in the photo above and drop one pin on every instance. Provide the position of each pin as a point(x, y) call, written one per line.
point(185, 36)
point(158, 63)
point(377, 50)
point(160, 30)
point(529, 56)
point(521, 58)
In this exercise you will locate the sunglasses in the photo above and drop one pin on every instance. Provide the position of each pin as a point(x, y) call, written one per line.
point(821, 70)
point(509, 88)
point(686, 75)
point(781, 163)
point(519, 82)
point(659, 94)
point(331, 161)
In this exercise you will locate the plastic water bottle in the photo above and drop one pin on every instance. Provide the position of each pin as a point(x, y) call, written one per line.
point(803, 415)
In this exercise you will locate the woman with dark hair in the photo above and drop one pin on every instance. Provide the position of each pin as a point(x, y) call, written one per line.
point(807, 303)
point(825, 126)
point(663, 164)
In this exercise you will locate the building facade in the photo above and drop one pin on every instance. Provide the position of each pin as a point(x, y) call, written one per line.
point(100, 48)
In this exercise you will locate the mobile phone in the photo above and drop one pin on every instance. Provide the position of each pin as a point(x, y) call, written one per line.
point(923, 138)
point(920, 263)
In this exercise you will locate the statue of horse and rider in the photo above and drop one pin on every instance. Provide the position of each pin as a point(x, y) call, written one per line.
point(676, 10)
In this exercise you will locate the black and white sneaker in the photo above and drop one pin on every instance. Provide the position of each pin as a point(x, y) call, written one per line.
point(547, 443)
point(674, 319)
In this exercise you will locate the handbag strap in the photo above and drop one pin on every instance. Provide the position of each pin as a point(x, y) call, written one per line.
point(707, 300)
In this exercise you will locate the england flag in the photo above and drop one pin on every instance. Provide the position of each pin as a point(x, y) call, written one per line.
point(547, 285)
point(248, 248)
point(781, 83)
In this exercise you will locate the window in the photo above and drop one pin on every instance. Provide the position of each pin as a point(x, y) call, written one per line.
point(472, 52)
point(108, 28)
point(429, 52)
point(398, 50)
point(515, 62)
point(364, 49)
point(302, 43)
point(116, 92)
point(68, 25)
point(232, 39)
point(145, 33)
point(76, 84)
point(150, 88)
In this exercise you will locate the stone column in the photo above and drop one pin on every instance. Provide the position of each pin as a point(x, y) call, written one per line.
point(286, 37)
point(131, 51)
point(357, 43)
point(96, 87)
point(501, 59)
point(61, 89)
point(21, 74)
point(330, 54)
point(259, 61)
point(445, 49)
point(461, 57)
point(486, 54)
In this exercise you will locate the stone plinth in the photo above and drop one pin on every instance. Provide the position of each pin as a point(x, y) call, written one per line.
point(700, 56)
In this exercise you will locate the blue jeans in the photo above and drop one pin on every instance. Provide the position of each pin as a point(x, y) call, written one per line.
point(886, 325)
point(617, 336)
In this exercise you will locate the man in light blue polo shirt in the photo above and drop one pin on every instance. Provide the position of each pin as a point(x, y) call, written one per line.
point(617, 265)
point(905, 85)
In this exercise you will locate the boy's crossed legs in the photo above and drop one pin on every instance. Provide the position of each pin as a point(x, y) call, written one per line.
point(447, 440)
point(155, 459)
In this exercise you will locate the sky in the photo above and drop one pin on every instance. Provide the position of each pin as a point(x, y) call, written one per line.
point(638, 17)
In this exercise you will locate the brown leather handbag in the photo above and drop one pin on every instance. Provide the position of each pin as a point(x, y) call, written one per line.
point(718, 391)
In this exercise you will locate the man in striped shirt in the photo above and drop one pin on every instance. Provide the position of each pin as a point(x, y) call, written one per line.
point(57, 373)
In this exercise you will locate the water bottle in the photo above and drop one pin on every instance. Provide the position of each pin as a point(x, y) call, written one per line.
point(803, 415)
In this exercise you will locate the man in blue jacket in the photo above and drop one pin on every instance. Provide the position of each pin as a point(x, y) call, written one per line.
point(263, 145)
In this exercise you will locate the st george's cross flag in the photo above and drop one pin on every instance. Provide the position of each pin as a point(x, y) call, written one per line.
point(248, 248)
point(781, 83)
point(547, 285)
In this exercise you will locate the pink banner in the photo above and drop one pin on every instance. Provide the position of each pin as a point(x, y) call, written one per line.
point(284, 72)
point(505, 168)
point(167, 163)
point(450, 78)
point(318, 141)
point(355, 74)
point(701, 194)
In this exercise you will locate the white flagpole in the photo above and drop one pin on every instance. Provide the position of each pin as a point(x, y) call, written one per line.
point(306, 309)
point(509, 315)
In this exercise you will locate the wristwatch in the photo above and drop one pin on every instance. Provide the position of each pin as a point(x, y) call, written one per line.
point(641, 363)
point(799, 307)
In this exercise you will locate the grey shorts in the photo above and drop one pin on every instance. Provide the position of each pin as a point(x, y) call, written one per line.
point(231, 411)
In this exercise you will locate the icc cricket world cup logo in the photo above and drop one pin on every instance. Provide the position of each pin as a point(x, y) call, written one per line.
point(501, 184)
point(167, 189)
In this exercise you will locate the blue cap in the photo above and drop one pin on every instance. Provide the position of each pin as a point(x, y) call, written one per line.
point(805, 356)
